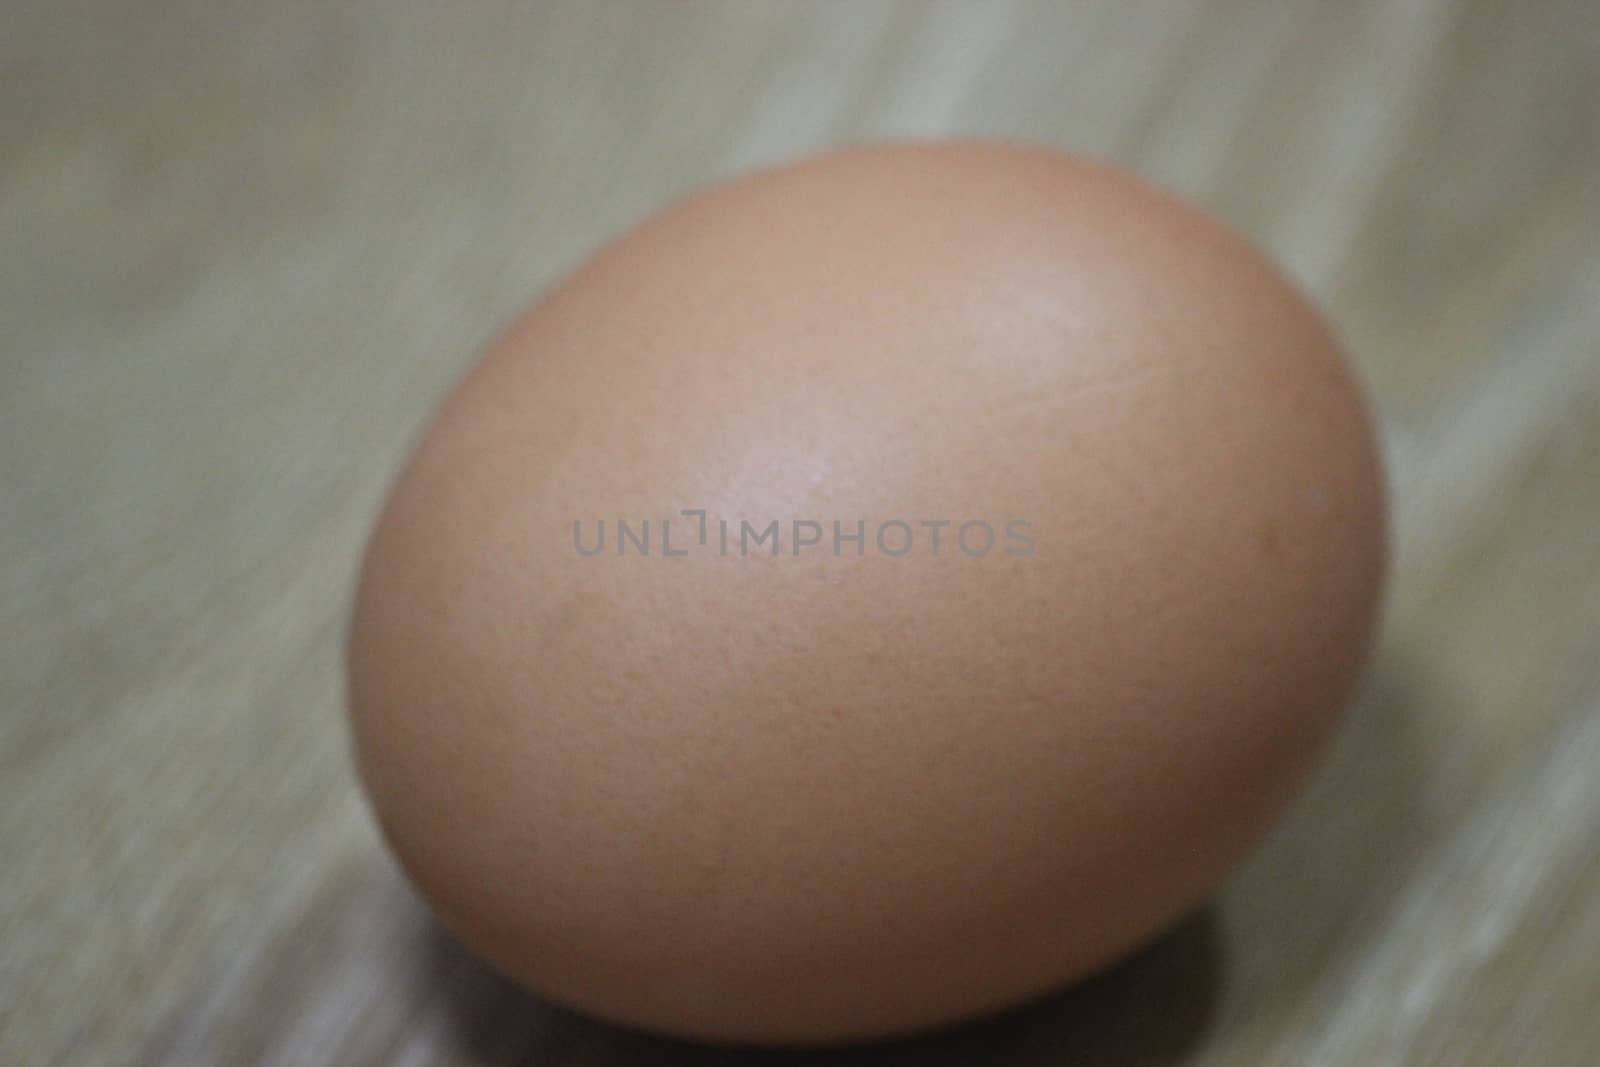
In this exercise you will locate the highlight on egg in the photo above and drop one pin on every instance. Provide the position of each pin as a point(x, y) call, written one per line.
point(819, 772)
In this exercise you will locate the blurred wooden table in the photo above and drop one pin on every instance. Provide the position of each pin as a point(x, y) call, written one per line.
point(245, 246)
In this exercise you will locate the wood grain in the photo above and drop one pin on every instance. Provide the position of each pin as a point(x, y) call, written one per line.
point(244, 247)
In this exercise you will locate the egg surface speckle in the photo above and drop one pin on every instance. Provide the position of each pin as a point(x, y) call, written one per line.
point(870, 594)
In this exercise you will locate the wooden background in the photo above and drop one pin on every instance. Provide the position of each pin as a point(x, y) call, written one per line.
point(244, 246)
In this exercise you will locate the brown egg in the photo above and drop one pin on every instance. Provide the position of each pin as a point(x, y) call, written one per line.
point(828, 783)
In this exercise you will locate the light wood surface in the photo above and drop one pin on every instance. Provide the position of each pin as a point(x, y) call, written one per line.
point(244, 247)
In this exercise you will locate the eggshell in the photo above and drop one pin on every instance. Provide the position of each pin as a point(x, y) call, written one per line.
point(840, 790)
